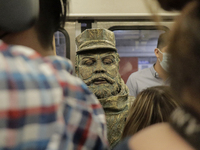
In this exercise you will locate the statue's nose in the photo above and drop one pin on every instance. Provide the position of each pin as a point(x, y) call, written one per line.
point(99, 68)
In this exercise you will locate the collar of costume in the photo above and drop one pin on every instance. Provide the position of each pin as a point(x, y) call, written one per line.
point(186, 122)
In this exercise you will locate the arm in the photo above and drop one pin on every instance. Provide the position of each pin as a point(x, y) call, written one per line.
point(82, 118)
point(85, 123)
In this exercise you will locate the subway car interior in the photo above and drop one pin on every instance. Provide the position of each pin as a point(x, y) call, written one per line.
point(134, 25)
point(94, 101)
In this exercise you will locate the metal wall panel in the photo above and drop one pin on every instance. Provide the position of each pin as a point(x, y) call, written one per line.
point(114, 9)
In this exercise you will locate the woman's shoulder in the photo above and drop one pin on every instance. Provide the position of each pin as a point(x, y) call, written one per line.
point(158, 137)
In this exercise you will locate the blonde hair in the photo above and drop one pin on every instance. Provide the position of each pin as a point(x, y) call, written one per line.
point(152, 105)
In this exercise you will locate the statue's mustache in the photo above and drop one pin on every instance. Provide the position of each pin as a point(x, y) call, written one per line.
point(99, 77)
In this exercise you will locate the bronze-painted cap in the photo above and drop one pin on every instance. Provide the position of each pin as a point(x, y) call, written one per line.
point(95, 39)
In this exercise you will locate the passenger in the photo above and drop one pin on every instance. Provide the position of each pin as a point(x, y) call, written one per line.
point(97, 63)
point(152, 105)
point(43, 107)
point(182, 133)
point(155, 75)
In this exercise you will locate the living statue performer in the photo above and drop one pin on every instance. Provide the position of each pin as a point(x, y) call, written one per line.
point(97, 64)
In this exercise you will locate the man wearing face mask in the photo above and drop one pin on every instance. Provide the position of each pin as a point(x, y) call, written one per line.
point(155, 75)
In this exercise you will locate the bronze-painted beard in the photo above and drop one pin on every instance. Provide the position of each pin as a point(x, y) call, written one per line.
point(111, 86)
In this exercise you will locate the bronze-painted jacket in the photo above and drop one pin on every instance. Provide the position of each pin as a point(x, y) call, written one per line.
point(116, 109)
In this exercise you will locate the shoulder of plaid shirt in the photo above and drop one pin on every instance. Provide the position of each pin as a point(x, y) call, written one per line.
point(42, 106)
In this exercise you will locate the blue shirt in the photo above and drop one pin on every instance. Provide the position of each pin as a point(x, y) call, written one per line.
point(140, 80)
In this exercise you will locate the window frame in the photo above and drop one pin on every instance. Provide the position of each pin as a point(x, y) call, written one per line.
point(67, 41)
point(144, 27)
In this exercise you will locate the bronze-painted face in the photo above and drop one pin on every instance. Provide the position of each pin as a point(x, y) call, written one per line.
point(100, 71)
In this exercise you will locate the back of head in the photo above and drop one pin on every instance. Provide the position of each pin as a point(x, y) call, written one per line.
point(185, 60)
point(173, 4)
point(152, 105)
point(51, 17)
point(18, 15)
point(162, 40)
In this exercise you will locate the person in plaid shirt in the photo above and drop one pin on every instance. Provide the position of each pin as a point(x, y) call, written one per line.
point(42, 105)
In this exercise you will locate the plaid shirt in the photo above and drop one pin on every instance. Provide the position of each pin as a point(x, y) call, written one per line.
point(43, 106)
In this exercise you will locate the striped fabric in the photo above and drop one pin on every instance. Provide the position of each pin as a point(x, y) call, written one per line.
point(42, 106)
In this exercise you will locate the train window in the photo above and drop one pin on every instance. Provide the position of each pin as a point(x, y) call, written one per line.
point(62, 45)
point(136, 49)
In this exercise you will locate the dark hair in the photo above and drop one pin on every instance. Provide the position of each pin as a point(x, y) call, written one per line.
point(51, 18)
point(162, 40)
point(185, 57)
point(152, 105)
point(173, 4)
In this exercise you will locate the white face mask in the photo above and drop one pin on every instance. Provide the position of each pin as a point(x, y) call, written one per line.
point(165, 62)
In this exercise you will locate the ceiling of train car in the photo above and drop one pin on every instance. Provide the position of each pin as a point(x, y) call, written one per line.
point(114, 9)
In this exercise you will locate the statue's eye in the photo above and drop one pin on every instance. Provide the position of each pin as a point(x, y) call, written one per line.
point(88, 62)
point(107, 61)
